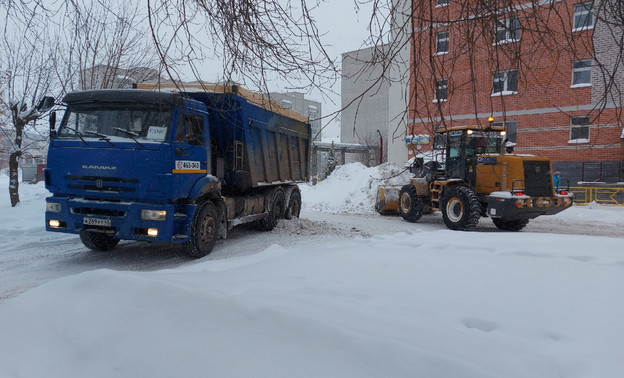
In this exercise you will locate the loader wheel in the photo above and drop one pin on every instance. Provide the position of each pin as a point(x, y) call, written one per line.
point(294, 205)
point(410, 204)
point(276, 208)
point(98, 241)
point(510, 225)
point(461, 209)
point(204, 231)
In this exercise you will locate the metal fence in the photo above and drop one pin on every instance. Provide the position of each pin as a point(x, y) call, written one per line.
point(602, 194)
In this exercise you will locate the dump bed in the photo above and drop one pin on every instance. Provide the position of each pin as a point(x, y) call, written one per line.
point(255, 145)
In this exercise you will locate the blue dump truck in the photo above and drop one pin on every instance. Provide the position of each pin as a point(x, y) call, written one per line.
point(180, 166)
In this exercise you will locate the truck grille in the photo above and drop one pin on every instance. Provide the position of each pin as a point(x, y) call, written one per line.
point(103, 184)
point(537, 179)
point(94, 211)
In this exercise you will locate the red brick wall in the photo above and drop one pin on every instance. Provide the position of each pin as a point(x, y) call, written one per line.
point(544, 101)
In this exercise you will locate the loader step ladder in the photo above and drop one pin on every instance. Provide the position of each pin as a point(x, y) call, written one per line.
point(436, 191)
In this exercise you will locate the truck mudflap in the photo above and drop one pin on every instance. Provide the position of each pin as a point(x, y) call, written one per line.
point(508, 206)
point(131, 221)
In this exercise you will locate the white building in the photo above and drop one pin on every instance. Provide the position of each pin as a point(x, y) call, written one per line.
point(310, 108)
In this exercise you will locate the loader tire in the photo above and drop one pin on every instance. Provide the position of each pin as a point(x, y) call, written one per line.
point(510, 225)
point(461, 208)
point(411, 206)
point(98, 241)
point(204, 231)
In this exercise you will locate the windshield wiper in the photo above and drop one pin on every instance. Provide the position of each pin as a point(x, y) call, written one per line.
point(101, 136)
point(78, 134)
point(131, 134)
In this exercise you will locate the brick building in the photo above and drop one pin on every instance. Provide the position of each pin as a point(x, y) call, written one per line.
point(550, 70)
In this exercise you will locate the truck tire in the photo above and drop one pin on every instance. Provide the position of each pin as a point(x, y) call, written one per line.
point(204, 231)
point(294, 205)
point(276, 208)
point(98, 241)
point(410, 204)
point(510, 225)
point(461, 208)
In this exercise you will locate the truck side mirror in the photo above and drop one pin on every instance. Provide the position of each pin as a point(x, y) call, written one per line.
point(52, 121)
point(45, 104)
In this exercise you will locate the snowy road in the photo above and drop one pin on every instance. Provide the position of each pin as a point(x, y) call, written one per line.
point(33, 263)
point(340, 292)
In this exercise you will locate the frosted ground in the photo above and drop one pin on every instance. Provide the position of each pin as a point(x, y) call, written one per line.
point(342, 292)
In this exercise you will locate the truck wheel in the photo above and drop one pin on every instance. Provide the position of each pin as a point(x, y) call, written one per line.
point(98, 241)
point(461, 209)
point(410, 204)
point(294, 205)
point(276, 207)
point(204, 231)
point(510, 225)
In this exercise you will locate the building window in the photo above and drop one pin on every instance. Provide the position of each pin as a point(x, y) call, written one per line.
point(441, 3)
point(583, 16)
point(441, 90)
point(579, 130)
point(505, 82)
point(442, 42)
point(511, 127)
point(581, 73)
point(507, 30)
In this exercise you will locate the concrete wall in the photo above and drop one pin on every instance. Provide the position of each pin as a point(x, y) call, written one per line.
point(364, 98)
point(398, 95)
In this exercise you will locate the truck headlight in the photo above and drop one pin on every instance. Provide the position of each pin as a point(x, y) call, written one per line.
point(53, 207)
point(155, 215)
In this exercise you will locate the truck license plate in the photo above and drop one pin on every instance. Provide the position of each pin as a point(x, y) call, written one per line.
point(96, 222)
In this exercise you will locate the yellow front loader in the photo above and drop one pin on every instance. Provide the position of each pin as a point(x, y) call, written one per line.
point(477, 180)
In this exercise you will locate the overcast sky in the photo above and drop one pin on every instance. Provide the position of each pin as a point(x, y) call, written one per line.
point(343, 28)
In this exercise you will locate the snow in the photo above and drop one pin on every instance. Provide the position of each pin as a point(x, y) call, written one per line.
point(352, 188)
point(382, 298)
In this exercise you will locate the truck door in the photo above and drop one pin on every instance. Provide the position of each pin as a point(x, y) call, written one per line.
point(189, 148)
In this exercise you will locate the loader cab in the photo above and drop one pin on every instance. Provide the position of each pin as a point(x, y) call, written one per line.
point(463, 146)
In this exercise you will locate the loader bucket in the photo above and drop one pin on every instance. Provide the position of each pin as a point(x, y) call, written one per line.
point(387, 199)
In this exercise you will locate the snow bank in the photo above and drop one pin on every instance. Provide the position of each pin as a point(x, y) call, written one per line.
point(352, 188)
point(24, 223)
point(435, 304)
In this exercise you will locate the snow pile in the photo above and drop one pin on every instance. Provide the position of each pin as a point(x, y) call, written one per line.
point(352, 188)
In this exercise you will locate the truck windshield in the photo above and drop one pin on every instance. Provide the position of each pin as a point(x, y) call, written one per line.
point(144, 122)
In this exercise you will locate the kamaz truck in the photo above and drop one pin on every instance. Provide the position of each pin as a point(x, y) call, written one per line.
point(182, 166)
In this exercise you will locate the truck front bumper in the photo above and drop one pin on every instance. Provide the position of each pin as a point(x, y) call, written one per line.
point(122, 220)
point(525, 207)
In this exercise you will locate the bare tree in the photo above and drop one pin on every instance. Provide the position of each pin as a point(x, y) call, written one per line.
point(256, 40)
point(95, 45)
point(106, 45)
point(26, 65)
